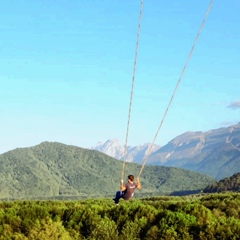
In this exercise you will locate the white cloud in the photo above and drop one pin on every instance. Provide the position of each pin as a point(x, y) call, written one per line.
point(234, 105)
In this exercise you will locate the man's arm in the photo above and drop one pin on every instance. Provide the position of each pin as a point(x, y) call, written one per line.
point(139, 186)
point(122, 187)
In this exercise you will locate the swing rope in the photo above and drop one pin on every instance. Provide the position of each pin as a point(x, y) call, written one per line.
point(132, 90)
point(177, 86)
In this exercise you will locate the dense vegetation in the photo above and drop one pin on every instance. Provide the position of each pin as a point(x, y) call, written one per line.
point(58, 171)
point(227, 184)
point(215, 216)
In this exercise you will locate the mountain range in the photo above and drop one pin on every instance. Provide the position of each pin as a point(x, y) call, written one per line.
point(114, 148)
point(215, 152)
point(55, 170)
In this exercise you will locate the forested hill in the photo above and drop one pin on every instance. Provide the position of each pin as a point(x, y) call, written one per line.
point(227, 184)
point(55, 170)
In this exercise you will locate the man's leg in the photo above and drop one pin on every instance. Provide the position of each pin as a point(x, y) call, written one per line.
point(118, 196)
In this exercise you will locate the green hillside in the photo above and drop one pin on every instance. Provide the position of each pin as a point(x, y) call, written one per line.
point(227, 184)
point(55, 170)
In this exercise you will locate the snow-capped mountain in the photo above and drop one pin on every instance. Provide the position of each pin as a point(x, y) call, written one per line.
point(112, 148)
point(115, 149)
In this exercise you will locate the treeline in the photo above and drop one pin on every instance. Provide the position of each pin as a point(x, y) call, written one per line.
point(227, 184)
point(215, 216)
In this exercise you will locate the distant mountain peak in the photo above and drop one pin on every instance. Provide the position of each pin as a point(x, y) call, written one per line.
point(115, 149)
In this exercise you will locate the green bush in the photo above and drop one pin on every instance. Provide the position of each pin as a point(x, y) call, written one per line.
point(214, 216)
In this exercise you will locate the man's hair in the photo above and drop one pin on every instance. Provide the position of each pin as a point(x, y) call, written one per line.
point(131, 177)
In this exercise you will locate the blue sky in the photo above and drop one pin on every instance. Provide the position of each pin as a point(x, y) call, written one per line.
point(66, 70)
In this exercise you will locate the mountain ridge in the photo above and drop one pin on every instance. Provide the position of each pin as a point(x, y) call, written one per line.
point(215, 152)
point(114, 148)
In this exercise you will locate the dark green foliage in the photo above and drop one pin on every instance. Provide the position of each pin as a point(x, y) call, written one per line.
point(227, 184)
point(58, 171)
point(215, 216)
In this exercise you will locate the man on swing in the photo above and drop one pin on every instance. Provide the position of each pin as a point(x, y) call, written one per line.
point(127, 190)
